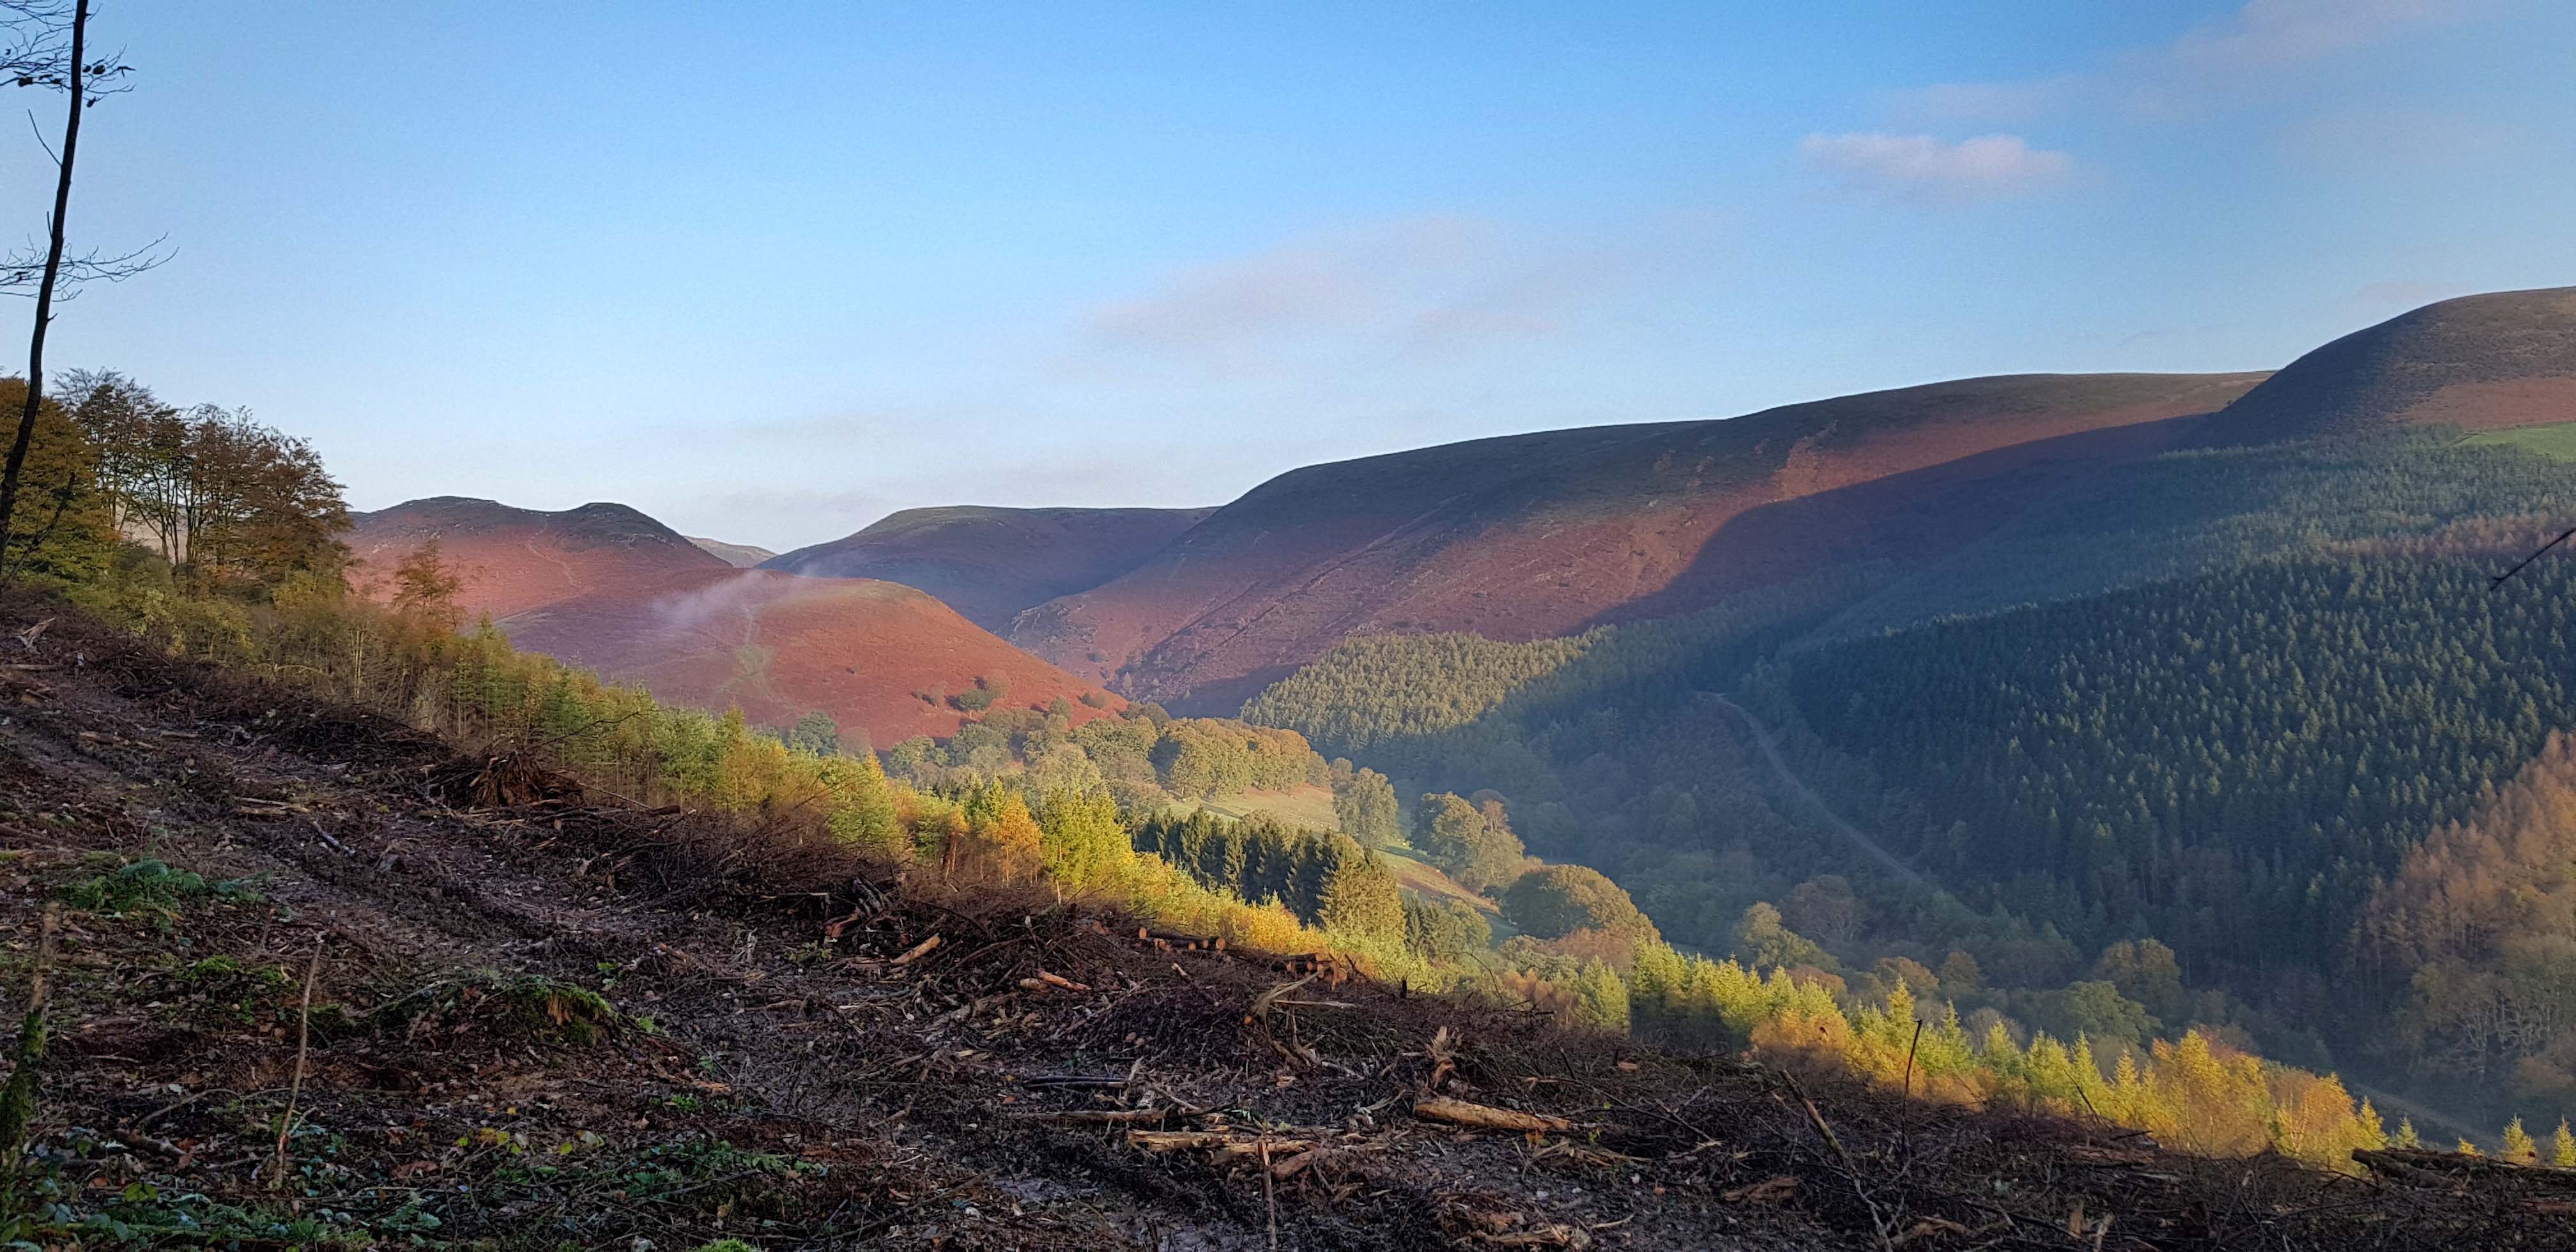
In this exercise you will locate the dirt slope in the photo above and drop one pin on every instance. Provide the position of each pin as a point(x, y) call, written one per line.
point(575, 1024)
point(992, 563)
point(781, 645)
point(516, 559)
point(2484, 362)
point(1535, 535)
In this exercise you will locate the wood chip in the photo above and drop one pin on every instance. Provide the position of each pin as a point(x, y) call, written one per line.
point(919, 950)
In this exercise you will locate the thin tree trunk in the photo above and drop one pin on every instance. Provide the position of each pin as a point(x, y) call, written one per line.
point(18, 1095)
point(45, 289)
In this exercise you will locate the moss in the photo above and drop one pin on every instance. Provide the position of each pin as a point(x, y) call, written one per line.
point(233, 992)
point(147, 885)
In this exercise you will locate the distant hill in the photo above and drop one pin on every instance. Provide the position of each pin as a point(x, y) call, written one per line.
point(992, 563)
point(737, 555)
point(2485, 362)
point(1529, 536)
point(877, 656)
point(516, 559)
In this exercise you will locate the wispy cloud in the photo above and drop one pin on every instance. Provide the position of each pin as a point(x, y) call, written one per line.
point(1928, 170)
point(2222, 58)
point(1400, 292)
point(2268, 34)
point(2373, 141)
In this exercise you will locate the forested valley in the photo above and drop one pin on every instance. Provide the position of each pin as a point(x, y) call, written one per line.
point(2198, 749)
point(1404, 849)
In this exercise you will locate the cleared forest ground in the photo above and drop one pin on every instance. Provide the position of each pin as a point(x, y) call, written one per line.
point(548, 1019)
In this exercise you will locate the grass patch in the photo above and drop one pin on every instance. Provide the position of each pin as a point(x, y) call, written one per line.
point(1308, 807)
point(2556, 441)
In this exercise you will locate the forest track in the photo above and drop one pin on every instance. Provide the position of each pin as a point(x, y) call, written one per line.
point(1860, 839)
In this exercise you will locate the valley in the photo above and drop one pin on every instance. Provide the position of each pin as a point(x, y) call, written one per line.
point(1261, 628)
point(1984, 618)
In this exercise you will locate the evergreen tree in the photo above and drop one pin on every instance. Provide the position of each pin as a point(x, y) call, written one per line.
point(2518, 1147)
point(1082, 842)
point(1439, 929)
point(1601, 998)
point(1360, 898)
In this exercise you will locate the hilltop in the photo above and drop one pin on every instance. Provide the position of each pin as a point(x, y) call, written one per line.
point(990, 564)
point(606, 587)
point(2484, 362)
point(1529, 536)
point(515, 559)
point(877, 656)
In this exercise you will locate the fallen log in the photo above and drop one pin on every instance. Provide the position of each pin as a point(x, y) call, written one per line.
point(1485, 1116)
point(1226, 1145)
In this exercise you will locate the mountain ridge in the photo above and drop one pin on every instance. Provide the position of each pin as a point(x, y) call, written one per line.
point(1533, 535)
point(514, 559)
point(990, 563)
point(2490, 361)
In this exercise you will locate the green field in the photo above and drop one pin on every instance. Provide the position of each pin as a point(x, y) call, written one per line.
point(1310, 807)
point(2556, 440)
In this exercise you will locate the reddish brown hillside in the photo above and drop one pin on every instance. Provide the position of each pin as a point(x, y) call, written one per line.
point(782, 646)
point(1535, 535)
point(513, 560)
point(989, 563)
point(2485, 362)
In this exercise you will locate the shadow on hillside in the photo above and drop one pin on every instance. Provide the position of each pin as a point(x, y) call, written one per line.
point(1909, 518)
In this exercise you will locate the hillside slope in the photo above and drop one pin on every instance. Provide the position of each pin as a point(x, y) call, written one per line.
point(737, 555)
point(2484, 362)
point(482, 1071)
point(515, 559)
point(781, 645)
point(991, 563)
point(1534, 535)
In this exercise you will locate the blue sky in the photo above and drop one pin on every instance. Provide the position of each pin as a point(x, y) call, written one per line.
point(770, 272)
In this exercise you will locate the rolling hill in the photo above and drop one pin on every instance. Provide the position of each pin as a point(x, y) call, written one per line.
point(2484, 362)
point(737, 555)
point(877, 656)
point(1529, 536)
point(992, 563)
point(516, 559)
point(607, 587)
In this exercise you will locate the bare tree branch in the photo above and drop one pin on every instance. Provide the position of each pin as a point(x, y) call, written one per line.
point(22, 273)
